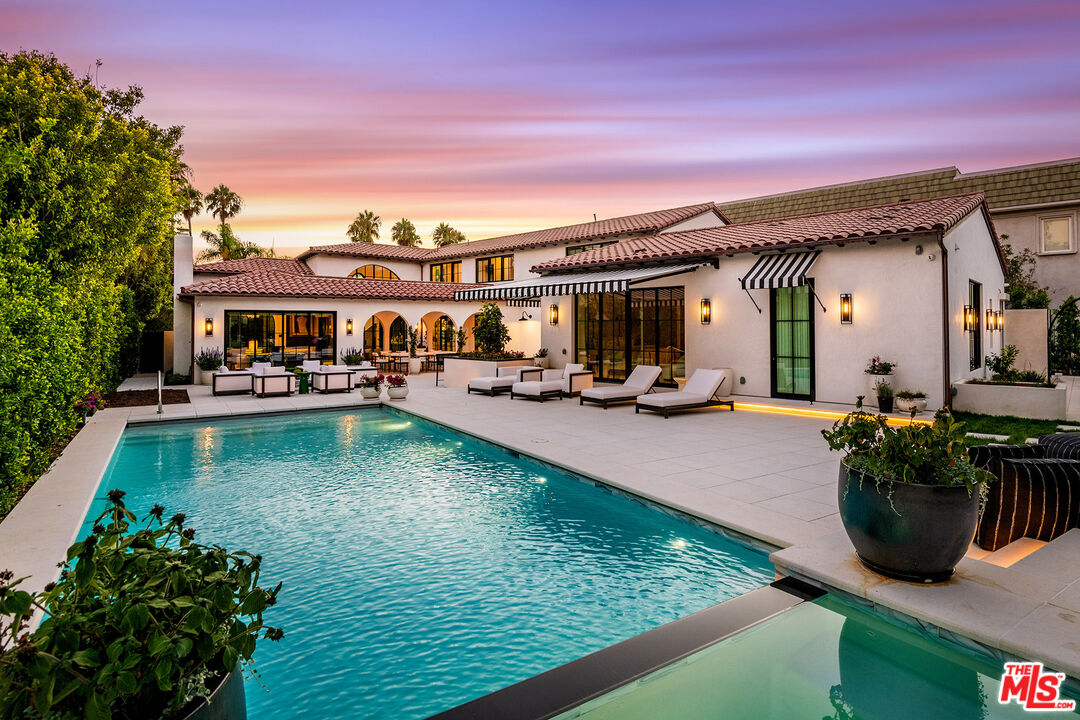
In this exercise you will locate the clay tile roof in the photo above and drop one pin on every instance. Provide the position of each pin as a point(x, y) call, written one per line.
point(868, 223)
point(246, 265)
point(273, 283)
point(1057, 181)
point(640, 223)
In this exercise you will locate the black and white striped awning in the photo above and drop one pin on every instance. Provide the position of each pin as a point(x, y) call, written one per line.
point(783, 270)
point(524, 302)
point(572, 283)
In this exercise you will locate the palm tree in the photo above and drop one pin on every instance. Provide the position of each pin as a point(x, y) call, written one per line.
point(446, 235)
point(226, 246)
point(365, 228)
point(404, 233)
point(191, 202)
point(223, 203)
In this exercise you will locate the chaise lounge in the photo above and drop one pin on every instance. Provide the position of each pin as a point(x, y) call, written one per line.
point(558, 382)
point(701, 390)
point(504, 380)
point(640, 382)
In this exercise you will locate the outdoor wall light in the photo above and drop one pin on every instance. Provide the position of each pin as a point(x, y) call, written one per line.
point(991, 320)
point(999, 318)
point(706, 311)
point(553, 315)
point(969, 318)
point(209, 327)
point(847, 310)
point(348, 326)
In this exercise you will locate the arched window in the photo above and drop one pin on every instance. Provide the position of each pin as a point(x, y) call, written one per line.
point(399, 332)
point(373, 335)
point(374, 272)
point(444, 337)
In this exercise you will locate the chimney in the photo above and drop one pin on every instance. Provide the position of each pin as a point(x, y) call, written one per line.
point(183, 274)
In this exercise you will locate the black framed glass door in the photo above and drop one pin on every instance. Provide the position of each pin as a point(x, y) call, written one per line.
point(792, 342)
point(613, 332)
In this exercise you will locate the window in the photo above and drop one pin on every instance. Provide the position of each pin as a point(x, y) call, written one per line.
point(283, 338)
point(374, 272)
point(1056, 235)
point(444, 339)
point(495, 269)
point(975, 351)
point(582, 248)
point(446, 272)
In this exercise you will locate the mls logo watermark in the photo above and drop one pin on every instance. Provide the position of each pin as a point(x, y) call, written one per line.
point(1030, 687)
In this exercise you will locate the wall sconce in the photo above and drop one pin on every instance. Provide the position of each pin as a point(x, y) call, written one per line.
point(991, 319)
point(553, 315)
point(999, 320)
point(847, 310)
point(209, 327)
point(348, 326)
point(706, 311)
point(969, 318)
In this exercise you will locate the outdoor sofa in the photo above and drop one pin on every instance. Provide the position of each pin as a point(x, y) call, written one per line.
point(504, 380)
point(557, 382)
point(703, 389)
point(1037, 493)
point(271, 380)
point(232, 382)
point(329, 378)
point(639, 382)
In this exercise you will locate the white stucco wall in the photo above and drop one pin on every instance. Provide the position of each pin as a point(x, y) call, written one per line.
point(338, 266)
point(971, 257)
point(1058, 271)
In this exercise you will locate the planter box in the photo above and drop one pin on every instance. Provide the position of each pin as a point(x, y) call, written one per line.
point(1026, 401)
point(458, 371)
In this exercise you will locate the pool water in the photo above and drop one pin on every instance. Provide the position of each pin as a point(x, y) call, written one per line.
point(421, 568)
point(821, 660)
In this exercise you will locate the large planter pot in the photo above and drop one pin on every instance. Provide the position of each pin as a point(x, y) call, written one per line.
point(206, 377)
point(541, 362)
point(415, 365)
point(226, 702)
point(397, 393)
point(907, 531)
point(905, 405)
point(885, 404)
point(370, 392)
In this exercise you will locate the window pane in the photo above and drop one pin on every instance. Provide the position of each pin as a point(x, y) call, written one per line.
point(1056, 232)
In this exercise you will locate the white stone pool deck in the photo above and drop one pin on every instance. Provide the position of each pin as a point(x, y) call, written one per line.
point(766, 476)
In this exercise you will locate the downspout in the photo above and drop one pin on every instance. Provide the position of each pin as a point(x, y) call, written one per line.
point(946, 383)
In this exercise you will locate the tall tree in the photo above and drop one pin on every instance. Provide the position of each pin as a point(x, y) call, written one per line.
point(446, 235)
point(404, 233)
point(365, 228)
point(223, 203)
point(226, 246)
point(191, 202)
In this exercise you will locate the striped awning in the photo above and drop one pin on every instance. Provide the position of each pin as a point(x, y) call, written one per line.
point(524, 302)
point(572, 283)
point(783, 270)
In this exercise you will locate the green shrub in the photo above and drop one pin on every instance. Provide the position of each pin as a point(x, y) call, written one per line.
point(141, 622)
point(489, 330)
point(1065, 339)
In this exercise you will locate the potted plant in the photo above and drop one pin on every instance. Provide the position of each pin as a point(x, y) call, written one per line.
point(462, 338)
point(878, 371)
point(143, 623)
point(415, 363)
point(884, 397)
point(352, 356)
point(909, 496)
point(910, 400)
point(396, 387)
point(541, 358)
point(207, 361)
point(371, 385)
point(89, 405)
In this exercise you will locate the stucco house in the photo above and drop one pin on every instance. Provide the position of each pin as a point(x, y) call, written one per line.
point(1036, 206)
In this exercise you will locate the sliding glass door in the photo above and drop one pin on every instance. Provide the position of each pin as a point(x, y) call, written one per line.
point(792, 343)
point(286, 338)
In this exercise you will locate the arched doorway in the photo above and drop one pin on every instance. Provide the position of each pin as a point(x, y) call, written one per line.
point(373, 335)
point(443, 335)
point(399, 335)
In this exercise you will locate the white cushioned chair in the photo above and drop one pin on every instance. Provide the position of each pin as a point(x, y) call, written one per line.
point(232, 382)
point(271, 380)
point(558, 382)
point(504, 380)
point(640, 382)
point(705, 388)
point(331, 378)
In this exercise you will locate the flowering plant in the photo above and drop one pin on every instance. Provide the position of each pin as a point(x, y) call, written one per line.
point(396, 381)
point(877, 366)
point(90, 404)
point(371, 381)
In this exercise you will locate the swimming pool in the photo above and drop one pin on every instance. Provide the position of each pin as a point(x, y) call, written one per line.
point(421, 568)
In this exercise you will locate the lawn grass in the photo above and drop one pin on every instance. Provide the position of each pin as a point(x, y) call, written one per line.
point(1018, 429)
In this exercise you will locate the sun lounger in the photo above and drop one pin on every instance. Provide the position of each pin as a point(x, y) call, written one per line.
point(639, 382)
point(558, 382)
point(703, 389)
point(505, 379)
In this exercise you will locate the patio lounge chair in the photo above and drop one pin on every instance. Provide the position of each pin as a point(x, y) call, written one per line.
point(701, 390)
point(232, 382)
point(640, 382)
point(329, 378)
point(559, 382)
point(272, 380)
point(504, 380)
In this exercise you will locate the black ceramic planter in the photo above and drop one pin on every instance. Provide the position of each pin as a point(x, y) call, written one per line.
point(884, 404)
point(226, 702)
point(919, 537)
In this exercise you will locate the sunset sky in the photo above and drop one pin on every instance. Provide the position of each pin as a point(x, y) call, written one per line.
point(501, 117)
